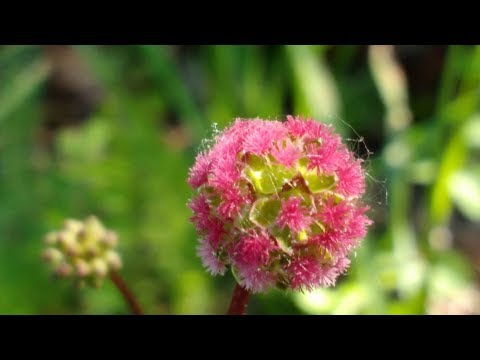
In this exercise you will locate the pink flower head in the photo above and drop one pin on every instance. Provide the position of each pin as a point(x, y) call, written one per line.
point(279, 203)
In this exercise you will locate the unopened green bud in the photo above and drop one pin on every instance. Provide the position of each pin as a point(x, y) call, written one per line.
point(82, 235)
point(64, 270)
point(109, 239)
point(51, 238)
point(66, 238)
point(99, 267)
point(92, 250)
point(113, 260)
point(53, 256)
point(82, 268)
point(73, 225)
point(94, 227)
point(68, 243)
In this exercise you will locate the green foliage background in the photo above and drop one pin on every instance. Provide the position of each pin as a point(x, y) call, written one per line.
point(127, 160)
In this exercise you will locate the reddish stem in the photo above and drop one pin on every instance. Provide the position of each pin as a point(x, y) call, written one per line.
point(126, 293)
point(238, 305)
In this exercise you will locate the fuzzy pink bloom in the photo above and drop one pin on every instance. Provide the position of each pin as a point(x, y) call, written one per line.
point(256, 280)
point(358, 224)
point(345, 225)
point(209, 258)
point(333, 240)
point(308, 273)
point(341, 265)
point(308, 129)
point(293, 215)
point(253, 250)
point(225, 172)
point(215, 231)
point(325, 156)
point(199, 172)
point(232, 203)
point(333, 215)
point(261, 137)
point(250, 255)
point(351, 180)
point(261, 210)
point(286, 153)
point(201, 211)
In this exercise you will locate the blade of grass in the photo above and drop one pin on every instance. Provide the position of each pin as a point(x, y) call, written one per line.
point(171, 85)
point(25, 84)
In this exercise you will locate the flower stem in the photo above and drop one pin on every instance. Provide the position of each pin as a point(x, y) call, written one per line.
point(126, 293)
point(238, 305)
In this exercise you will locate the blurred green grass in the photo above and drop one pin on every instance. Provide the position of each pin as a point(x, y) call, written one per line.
point(112, 131)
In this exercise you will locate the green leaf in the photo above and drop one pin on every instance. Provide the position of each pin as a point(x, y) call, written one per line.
point(452, 160)
point(464, 187)
point(471, 131)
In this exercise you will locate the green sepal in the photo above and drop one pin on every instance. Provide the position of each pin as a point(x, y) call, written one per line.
point(235, 275)
point(282, 236)
point(264, 212)
point(316, 182)
point(319, 183)
point(267, 178)
point(317, 228)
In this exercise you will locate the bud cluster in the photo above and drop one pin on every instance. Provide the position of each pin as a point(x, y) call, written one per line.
point(84, 250)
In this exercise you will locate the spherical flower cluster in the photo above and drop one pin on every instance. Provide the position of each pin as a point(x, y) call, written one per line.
point(279, 203)
point(84, 250)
